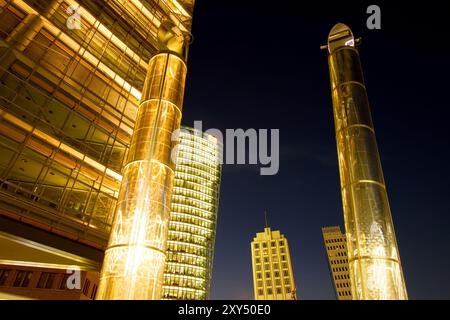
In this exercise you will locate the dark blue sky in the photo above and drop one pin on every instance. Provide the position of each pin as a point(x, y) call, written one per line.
point(257, 64)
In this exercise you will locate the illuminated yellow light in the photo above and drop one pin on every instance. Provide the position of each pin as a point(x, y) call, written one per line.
point(108, 34)
point(374, 262)
point(193, 216)
point(185, 265)
point(58, 144)
point(179, 8)
point(140, 6)
point(73, 45)
point(135, 257)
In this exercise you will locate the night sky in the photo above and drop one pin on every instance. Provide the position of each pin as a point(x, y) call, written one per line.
point(257, 64)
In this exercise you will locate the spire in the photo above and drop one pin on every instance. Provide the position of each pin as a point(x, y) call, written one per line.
point(265, 218)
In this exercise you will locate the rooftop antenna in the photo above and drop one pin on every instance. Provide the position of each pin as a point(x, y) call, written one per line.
point(265, 218)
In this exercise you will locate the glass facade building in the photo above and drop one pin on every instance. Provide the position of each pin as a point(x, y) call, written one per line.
point(71, 76)
point(192, 228)
point(72, 79)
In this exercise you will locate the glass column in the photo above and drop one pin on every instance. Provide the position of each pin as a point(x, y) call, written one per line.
point(134, 259)
point(374, 261)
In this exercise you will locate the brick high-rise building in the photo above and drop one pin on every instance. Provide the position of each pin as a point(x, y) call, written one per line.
point(336, 248)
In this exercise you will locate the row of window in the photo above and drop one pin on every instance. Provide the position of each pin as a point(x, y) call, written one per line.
point(205, 194)
point(185, 282)
point(186, 200)
point(273, 251)
point(335, 247)
point(344, 294)
point(185, 247)
point(178, 293)
point(191, 229)
point(272, 244)
point(342, 277)
point(341, 254)
point(186, 181)
point(266, 259)
point(340, 269)
point(188, 238)
point(47, 280)
point(269, 283)
point(192, 170)
point(187, 259)
point(192, 210)
point(177, 269)
point(284, 265)
point(190, 139)
point(259, 275)
point(191, 219)
point(191, 159)
point(334, 240)
point(277, 291)
point(343, 285)
point(340, 261)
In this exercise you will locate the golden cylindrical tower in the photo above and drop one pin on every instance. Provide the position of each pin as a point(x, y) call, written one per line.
point(135, 257)
point(374, 261)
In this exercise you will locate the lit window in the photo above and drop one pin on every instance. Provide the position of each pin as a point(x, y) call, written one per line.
point(63, 285)
point(94, 292)
point(4, 276)
point(23, 279)
point(86, 286)
point(46, 280)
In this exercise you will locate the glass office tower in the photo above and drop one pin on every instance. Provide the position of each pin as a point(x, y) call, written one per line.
point(192, 228)
point(71, 81)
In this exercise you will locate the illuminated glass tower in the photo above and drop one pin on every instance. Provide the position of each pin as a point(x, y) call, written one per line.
point(90, 91)
point(336, 248)
point(273, 276)
point(192, 228)
point(373, 255)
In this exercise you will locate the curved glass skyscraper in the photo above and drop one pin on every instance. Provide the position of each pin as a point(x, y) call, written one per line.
point(192, 228)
